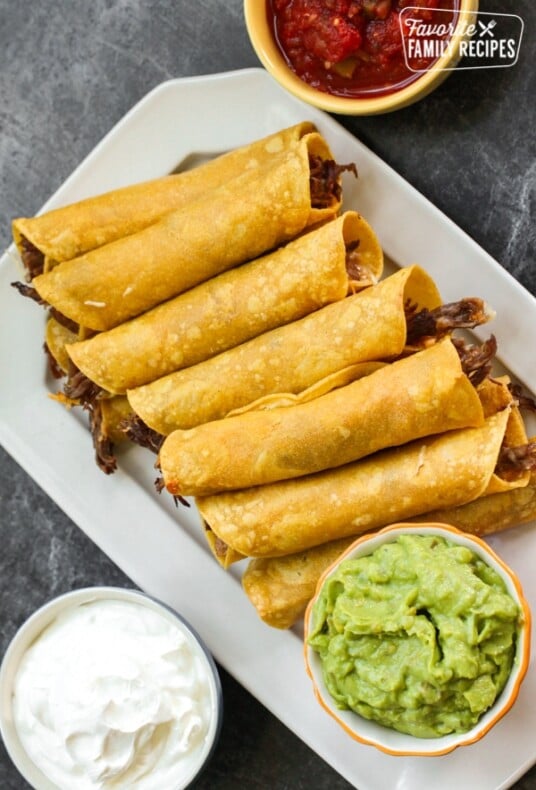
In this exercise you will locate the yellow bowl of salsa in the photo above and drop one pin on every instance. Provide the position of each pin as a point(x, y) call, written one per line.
point(417, 639)
point(359, 57)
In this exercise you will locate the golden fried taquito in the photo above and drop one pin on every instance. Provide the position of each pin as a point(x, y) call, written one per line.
point(393, 485)
point(238, 221)
point(70, 231)
point(227, 310)
point(281, 587)
point(422, 394)
point(293, 363)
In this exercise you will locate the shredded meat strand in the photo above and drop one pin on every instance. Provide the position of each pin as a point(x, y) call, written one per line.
point(53, 366)
point(354, 268)
point(68, 323)
point(476, 360)
point(160, 485)
point(514, 461)
point(179, 500)
point(140, 433)
point(324, 180)
point(220, 546)
point(524, 401)
point(78, 387)
point(464, 314)
point(30, 292)
point(32, 258)
point(104, 449)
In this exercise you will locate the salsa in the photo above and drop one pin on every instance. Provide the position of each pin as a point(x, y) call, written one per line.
point(419, 636)
point(354, 48)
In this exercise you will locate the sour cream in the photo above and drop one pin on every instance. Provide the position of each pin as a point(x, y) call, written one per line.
point(115, 694)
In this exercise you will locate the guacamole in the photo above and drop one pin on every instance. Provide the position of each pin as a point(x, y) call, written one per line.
point(419, 636)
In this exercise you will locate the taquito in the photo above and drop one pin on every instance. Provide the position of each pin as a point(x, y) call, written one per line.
point(293, 363)
point(251, 214)
point(281, 587)
point(298, 278)
point(395, 484)
point(420, 395)
point(72, 230)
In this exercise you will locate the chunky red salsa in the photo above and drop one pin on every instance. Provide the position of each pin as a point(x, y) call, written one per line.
point(354, 48)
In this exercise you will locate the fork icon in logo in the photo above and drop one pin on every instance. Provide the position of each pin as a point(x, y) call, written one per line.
point(487, 29)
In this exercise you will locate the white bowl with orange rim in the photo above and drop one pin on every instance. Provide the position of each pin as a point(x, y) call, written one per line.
point(352, 643)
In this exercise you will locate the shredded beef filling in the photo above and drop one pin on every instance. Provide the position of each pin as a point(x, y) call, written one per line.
point(523, 401)
point(464, 314)
point(31, 293)
point(220, 546)
point(324, 180)
point(104, 449)
point(79, 387)
point(514, 461)
point(32, 258)
point(64, 321)
point(140, 433)
point(159, 485)
point(355, 270)
point(476, 360)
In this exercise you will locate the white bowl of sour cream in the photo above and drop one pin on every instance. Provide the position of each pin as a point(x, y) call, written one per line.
point(107, 687)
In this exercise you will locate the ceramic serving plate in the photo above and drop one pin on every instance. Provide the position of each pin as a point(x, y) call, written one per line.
point(161, 547)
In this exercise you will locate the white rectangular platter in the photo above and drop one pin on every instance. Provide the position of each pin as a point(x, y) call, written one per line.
point(160, 547)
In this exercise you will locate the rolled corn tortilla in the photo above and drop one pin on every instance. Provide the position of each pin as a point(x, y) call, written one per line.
point(437, 472)
point(238, 221)
point(57, 337)
point(293, 363)
point(279, 287)
point(281, 587)
point(495, 395)
point(72, 230)
point(417, 396)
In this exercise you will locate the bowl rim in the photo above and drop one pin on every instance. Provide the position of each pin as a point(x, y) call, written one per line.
point(270, 56)
point(30, 629)
point(521, 658)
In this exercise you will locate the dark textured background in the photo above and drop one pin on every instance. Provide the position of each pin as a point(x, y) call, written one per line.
point(69, 70)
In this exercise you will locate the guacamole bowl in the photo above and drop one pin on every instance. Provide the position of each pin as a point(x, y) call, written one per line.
point(417, 639)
